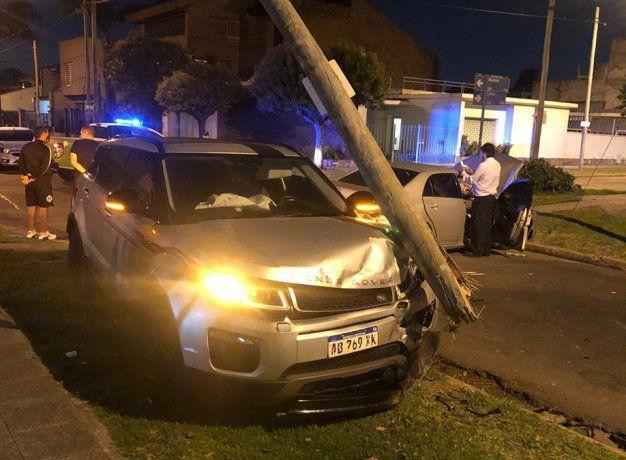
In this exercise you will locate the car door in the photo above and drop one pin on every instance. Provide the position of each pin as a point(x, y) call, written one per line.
point(100, 235)
point(513, 222)
point(132, 250)
point(444, 206)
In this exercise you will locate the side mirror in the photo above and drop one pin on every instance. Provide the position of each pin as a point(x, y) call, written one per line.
point(125, 201)
point(363, 204)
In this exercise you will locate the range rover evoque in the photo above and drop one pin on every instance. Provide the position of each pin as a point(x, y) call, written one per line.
point(259, 273)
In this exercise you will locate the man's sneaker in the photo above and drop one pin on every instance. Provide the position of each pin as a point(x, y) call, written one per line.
point(47, 236)
point(31, 234)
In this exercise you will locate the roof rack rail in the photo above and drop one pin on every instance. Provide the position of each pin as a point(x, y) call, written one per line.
point(151, 140)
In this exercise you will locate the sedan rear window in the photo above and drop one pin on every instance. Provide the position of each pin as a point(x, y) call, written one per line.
point(404, 176)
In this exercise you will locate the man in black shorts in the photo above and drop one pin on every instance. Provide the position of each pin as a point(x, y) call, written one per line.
point(36, 167)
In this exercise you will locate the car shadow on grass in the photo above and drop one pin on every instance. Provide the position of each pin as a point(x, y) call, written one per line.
point(98, 348)
point(594, 228)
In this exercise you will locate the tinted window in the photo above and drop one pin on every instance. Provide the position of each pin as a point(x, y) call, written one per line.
point(137, 175)
point(9, 135)
point(110, 169)
point(443, 185)
point(404, 176)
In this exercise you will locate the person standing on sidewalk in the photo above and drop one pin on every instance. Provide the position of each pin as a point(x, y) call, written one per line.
point(36, 168)
point(484, 182)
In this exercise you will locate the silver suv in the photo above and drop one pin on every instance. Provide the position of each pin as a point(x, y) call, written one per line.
point(262, 283)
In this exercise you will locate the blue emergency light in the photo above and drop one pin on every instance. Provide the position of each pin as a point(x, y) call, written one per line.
point(128, 121)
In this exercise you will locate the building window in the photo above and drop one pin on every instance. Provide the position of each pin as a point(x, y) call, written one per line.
point(232, 28)
point(67, 74)
point(167, 27)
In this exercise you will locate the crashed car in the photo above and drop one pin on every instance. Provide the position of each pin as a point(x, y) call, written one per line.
point(263, 283)
point(102, 132)
point(445, 205)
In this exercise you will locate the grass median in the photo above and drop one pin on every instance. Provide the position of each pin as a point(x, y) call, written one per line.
point(113, 372)
point(590, 230)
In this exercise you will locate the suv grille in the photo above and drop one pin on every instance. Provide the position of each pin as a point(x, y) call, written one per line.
point(360, 357)
point(317, 299)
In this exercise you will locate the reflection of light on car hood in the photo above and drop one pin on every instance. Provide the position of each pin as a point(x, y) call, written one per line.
point(320, 251)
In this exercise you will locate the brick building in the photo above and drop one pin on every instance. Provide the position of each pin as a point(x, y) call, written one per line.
point(238, 32)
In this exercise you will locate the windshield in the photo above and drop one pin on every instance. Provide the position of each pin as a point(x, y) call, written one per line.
point(10, 135)
point(247, 186)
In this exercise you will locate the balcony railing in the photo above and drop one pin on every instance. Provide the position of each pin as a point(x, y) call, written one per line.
point(436, 86)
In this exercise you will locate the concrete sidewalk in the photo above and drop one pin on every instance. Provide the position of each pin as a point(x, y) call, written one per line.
point(38, 419)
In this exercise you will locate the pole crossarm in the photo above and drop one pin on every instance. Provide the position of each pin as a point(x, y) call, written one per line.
point(376, 170)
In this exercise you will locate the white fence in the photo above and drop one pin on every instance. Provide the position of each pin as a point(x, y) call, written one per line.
point(596, 144)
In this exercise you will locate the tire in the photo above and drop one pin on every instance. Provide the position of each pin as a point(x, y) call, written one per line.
point(79, 265)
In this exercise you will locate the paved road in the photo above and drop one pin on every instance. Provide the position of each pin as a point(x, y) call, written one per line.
point(13, 206)
point(553, 328)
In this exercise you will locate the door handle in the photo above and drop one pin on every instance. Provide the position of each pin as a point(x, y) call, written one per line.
point(434, 206)
point(86, 190)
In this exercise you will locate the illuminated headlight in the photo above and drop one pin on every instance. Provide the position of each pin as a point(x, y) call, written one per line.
point(235, 291)
point(6, 151)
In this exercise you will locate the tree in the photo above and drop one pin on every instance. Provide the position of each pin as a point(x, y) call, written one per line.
point(277, 84)
point(364, 71)
point(199, 90)
point(137, 64)
point(524, 83)
point(622, 97)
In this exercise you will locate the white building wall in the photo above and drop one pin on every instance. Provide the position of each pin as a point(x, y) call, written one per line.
point(595, 146)
point(184, 125)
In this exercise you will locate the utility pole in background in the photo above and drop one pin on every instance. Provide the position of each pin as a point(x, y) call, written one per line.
point(534, 151)
point(586, 123)
point(87, 60)
point(94, 67)
point(36, 99)
point(416, 236)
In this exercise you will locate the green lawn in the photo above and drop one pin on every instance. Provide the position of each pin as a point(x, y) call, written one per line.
point(540, 198)
point(114, 373)
point(590, 230)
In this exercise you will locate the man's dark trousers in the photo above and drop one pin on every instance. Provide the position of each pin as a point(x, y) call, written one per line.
point(483, 208)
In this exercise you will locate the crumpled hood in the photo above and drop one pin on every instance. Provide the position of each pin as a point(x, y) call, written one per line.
point(321, 251)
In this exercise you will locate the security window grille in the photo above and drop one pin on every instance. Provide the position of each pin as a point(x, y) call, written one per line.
point(232, 28)
point(67, 74)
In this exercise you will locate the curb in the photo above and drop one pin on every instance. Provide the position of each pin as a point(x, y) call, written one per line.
point(605, 261)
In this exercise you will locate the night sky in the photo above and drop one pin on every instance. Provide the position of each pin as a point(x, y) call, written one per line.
point(465, 41)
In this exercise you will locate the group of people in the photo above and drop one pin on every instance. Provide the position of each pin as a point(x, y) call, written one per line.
point(36, 167)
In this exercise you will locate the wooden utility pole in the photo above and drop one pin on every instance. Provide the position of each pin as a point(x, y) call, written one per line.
point(592, 59)
point(545, 64)
point(36, 98)
point(87, 60)
point(401, 212)
point(94, 61)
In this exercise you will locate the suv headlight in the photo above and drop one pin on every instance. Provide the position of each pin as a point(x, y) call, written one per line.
point(235, 291)
point(6, 151)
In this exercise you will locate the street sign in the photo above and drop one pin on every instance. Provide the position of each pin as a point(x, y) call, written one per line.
point(489, 98)
point(342, 79)
point(490, 89)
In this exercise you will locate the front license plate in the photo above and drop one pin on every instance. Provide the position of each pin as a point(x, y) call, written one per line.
point(344, 344)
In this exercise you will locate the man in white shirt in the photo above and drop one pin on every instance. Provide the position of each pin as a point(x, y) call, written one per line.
point(484, 182)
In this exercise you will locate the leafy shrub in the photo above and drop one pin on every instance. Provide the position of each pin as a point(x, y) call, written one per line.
point(549, 178)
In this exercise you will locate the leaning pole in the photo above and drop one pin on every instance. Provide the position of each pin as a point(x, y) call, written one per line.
point(401, 212)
